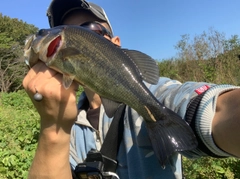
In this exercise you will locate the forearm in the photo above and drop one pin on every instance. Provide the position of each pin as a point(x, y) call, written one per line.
point(52, 156)
point(226, 122)
point(213, 118)
point(58, 112)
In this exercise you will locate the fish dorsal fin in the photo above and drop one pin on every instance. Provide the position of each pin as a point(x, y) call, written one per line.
point(110, 106)
point(147, 66)
point(67, 81)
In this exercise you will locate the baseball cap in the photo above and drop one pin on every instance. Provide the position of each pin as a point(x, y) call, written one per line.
point(59, 8)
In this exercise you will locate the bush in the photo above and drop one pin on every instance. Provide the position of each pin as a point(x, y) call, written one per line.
point(19, 130)
point(207, 167)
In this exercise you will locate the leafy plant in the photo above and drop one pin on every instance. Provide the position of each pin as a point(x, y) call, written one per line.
point(13, 33)
point(19, 129)
point(209, 168)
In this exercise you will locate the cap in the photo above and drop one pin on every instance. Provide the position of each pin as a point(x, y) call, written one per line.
point(59, 8)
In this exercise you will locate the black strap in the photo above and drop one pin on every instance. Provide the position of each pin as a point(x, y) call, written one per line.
point(109, 150)
point(114, 136)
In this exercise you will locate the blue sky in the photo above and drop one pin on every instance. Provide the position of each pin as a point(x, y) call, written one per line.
point(153, 27)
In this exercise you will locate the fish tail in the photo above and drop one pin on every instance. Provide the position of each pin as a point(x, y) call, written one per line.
point(168, 134)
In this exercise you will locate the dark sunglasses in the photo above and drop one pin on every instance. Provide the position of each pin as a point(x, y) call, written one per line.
point(98, 28)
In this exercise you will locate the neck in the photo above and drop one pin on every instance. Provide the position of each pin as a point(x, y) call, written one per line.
point(93, 98)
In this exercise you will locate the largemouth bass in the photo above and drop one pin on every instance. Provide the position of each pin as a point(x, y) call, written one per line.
point(117, 76)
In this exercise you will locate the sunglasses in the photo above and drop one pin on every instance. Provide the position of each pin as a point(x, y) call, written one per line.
point(98, 28)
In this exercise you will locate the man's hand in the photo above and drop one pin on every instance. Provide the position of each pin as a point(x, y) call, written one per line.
point(226, 122)
point(58, 112)
point(58, 106)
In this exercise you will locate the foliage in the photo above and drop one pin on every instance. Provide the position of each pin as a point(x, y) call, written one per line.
point(12, 69)
point(12, 36)
point(209, 168)
point(13, 30)
point(19, 129)
point(203, 47)
point(208, 58)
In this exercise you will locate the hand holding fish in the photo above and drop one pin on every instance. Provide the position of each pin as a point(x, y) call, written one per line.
point(58, 105)
point(57, 110)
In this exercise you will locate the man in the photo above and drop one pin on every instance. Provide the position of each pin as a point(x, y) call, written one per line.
point(212, 111)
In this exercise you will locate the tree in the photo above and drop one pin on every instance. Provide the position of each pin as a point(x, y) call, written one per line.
point(12, 69)
point(203, 47)
point(12, 37)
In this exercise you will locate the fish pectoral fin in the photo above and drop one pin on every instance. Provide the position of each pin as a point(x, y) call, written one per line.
point(110, 106)
point(67, 80)
point(170, 135)
point(69, 51)
point(146, 65)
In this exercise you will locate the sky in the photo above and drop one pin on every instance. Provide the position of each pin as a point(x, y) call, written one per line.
point(153, 26)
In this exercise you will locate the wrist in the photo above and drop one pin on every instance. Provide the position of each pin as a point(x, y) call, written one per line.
point(59, 126)
point(55, 134)
point(52, 155)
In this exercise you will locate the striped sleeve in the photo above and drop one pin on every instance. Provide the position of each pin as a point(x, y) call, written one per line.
point(181, 97)
point(204, 117)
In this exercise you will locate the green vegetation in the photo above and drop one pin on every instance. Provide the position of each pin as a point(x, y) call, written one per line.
point(19, 129)
point(12, 37)
point(209, 168)
point(209, 57)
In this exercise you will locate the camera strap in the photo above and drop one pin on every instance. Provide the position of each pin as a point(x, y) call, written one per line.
point(103, 163)
point(114, 135)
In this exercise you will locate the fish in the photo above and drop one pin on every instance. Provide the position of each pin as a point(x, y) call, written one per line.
point(117, 75)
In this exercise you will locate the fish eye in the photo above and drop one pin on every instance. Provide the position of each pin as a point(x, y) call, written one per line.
point(43, 32)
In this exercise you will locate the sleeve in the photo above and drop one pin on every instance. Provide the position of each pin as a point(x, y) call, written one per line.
point(203, 120)
point(195, 102)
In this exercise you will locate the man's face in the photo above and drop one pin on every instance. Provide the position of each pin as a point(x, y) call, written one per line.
point(81, 17)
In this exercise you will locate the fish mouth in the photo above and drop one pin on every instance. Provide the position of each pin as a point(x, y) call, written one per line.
point(28, 50)
point(54, 46)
